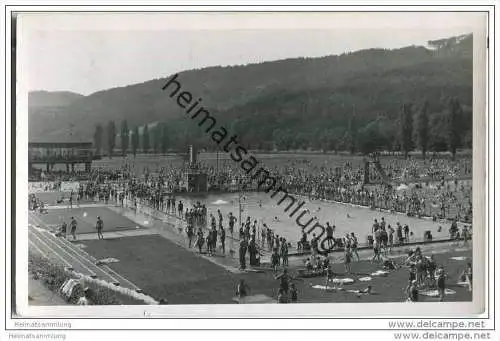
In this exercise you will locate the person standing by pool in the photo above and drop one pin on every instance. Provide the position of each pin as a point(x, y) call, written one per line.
point(391, 237)
point(314, 249)
point(329, 235)
point(223, 240)
point(242, 253)
point(247, 228)
point(384, 239)
point(378, 237)
point(354, 246)
point(413, 291)
point(190, 232)
point(375, 226)
point(330, 275)
point(232, 220)
point(376, 251)
point(200, 240)
point(99, 227)
point(347, 258)
point(214, 240)
point(220, 217)
point(399, 233)
point(63, 231)
point(242, 232)
point(73, 227)
point(284, 252)
point(275, 261)
point(263, 234)
point(465, 235)
point(208, 241)
point(180, 208)
point(254, 230)
point(407, 233)
point(168, 204)
point(441, 283)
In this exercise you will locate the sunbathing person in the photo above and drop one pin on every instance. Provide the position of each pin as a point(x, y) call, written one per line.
point(366, 291)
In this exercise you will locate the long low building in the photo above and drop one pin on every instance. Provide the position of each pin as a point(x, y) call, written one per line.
point(68, 153)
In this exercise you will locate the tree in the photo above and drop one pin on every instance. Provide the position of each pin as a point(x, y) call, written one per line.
point(406, 129)
point(376, 135)
point(164, 138)
point(135, 140)
point(124, 137)
point(98, 139)
point(145, 139)
point(157, 138)
point(111, 132)
point(329, 139)
point(283, 138)
point(453, 127)
point(437, 123)
point(422, 128)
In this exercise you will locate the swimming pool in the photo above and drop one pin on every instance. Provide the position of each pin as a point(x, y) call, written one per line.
point(346, 218)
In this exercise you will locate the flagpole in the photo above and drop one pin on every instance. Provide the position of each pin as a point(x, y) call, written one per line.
point(239, 205)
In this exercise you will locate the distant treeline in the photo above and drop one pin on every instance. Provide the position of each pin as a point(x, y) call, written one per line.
point(415, 129)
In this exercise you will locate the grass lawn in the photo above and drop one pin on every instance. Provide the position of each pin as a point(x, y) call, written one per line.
point(164, 269)
point(271, 159)
point(87, 217)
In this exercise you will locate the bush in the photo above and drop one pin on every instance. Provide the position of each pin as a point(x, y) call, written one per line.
point(54, 275)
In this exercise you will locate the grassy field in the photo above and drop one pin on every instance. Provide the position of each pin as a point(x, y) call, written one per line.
point(164, 269)
point(270, 160)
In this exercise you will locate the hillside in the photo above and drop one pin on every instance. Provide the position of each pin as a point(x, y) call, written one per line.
point(46, 109)
point(39, 99)
point(302, 96)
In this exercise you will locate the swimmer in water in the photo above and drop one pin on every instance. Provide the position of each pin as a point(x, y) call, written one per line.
point(348, 216)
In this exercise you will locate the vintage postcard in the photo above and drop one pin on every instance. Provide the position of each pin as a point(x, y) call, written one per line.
point(251, 164)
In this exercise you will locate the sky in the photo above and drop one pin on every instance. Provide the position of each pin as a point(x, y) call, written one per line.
point(85, 53)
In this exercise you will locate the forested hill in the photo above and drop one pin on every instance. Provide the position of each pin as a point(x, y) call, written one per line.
point(47, 109)
point(289, 103)
point(39, 99)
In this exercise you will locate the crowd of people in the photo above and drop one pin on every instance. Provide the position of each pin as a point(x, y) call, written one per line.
point(438, 188)
point(449, 198)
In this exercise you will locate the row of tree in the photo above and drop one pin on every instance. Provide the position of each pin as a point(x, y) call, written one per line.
point(449, 130)
point(415, 128)
point(133, 141)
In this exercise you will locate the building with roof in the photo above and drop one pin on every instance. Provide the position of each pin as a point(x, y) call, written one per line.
point(67, 152)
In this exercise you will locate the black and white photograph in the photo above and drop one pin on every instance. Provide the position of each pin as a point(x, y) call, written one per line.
point(227, 159)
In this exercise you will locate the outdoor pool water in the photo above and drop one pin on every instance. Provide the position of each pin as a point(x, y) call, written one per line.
point(346, 218)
